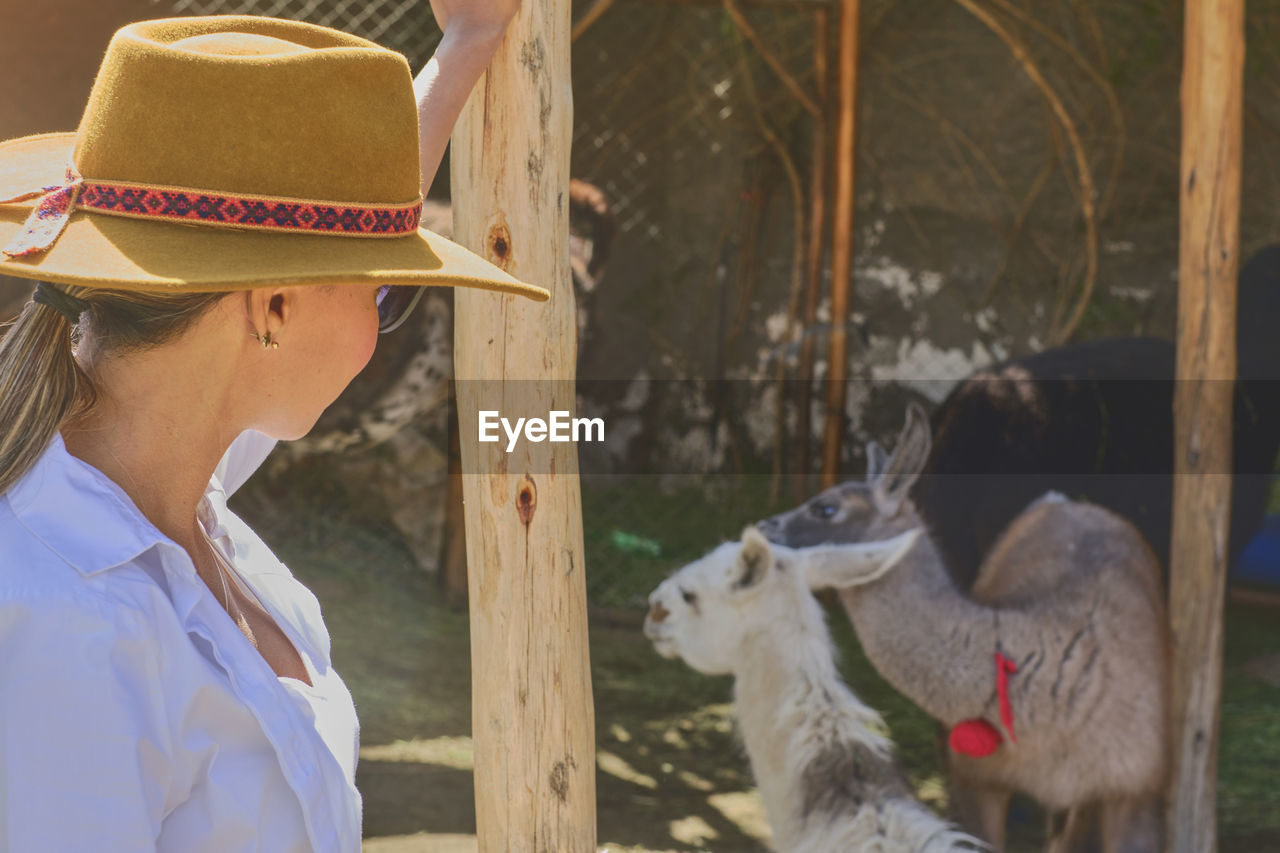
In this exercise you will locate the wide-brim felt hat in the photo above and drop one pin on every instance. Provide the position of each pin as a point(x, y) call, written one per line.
point(233, 152)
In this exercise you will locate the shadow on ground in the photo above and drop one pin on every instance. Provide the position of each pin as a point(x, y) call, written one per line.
point(671, 776)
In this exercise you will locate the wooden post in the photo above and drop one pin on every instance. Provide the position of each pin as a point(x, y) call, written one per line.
point(531, 682)
point(841, 241)
point(1212, 97)
point(453, 551)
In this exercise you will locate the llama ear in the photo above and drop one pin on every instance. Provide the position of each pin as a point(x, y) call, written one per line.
point(755, 560)
point(854, 564)
point(902, 470)
point(877, 461)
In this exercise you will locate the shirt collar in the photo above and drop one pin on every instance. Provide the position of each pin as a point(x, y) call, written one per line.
point(80, 514)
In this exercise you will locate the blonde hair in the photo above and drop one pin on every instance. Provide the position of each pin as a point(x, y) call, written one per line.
point(42, 386)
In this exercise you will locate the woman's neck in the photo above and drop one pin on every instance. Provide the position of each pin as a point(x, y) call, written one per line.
point(158, 429)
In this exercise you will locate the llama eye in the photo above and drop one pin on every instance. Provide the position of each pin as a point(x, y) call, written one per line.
point(823, 510)
point(689, 597)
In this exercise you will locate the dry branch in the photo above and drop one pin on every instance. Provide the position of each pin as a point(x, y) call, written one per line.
point(589, 17)
point(950, 129)
point(745, 28)
point(1108, 91)
point(1019, 222)
point(813, 265)
point(1062, 332)
point(797, 249)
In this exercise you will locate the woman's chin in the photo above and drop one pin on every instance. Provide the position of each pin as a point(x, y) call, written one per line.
point(290, 431)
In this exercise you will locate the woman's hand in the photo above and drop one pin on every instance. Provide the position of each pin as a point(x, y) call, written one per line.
point(473, 29)
point(475, 17)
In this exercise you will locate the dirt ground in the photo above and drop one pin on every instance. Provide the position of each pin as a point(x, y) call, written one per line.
point(671, 776)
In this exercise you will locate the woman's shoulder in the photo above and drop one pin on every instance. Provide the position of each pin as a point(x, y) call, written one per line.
point(43, 580)
point(29, 566)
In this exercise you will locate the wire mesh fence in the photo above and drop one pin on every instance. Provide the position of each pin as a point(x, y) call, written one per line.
point(669, 106)
point(404, 25)
point(978, 148)
point(667, 117)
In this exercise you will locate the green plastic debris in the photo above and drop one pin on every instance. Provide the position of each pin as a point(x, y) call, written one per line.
point(634, 543)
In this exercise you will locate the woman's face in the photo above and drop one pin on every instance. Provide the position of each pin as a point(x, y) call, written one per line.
point(328, 337)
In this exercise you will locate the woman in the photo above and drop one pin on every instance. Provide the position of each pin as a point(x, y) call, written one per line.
point(218, 245)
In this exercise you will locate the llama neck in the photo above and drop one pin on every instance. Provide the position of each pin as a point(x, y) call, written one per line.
point(793, 711)
point(927, 639)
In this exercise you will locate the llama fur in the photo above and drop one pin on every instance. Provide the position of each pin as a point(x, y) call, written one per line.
point(823, 763)
point(1069, 592)
point(1094, 420)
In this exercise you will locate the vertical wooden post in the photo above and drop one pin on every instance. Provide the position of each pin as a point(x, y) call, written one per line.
point(1212, 97)
point(531, 682)
point(453, 551)
point(841, 240)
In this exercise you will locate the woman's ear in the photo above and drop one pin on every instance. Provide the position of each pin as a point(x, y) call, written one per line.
point(270, 309)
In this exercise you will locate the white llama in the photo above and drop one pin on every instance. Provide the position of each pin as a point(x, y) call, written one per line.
point(826, 772)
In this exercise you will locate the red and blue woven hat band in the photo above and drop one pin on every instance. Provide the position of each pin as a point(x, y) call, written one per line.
point(204, 207)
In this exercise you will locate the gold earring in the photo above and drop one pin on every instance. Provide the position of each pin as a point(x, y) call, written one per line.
point(265, 340)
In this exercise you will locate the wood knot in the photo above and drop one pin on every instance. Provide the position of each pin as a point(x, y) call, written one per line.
point(526, 499)
point(533, 56)
point(499, 243)
point(560, 778)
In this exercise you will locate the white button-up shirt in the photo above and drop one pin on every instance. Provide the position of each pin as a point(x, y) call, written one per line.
point(134, 714)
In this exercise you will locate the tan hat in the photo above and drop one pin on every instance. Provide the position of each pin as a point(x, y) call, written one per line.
point(233, 152)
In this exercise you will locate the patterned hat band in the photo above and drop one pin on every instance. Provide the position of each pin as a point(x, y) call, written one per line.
point(205, 207)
